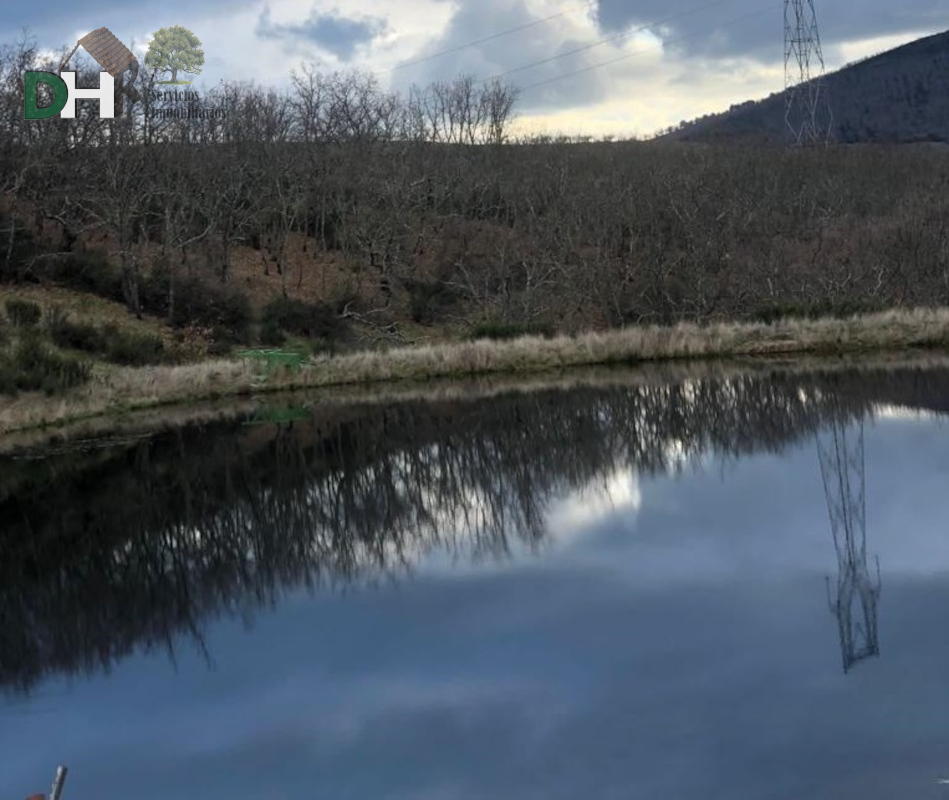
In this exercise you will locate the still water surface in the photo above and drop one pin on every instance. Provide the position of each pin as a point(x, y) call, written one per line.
point(720, 589)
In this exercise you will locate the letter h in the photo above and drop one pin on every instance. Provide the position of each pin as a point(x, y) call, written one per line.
point(105, 94)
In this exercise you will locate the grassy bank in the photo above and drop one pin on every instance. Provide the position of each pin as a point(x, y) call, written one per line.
point(154, 419)
point(114, 390)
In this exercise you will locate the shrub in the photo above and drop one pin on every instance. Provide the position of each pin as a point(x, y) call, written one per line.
point(86, 271)
point(23, 313)
point(815, 309)
point(131, 349)
point(270, 334)
point(78, 336)
point(56, 315)
point(119, 347)
point(34, 366)
point(428, 299)
point(8, 375)
point(510, 330)
point(312, 320)
point(221, 342)
point(199, 303)
point(20, 251)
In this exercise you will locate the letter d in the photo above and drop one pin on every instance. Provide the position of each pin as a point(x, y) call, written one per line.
point(31, 81)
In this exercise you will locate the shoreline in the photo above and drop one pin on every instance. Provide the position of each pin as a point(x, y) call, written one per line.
point(115, 392)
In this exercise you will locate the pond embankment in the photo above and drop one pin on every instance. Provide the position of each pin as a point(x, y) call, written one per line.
point(113, 391)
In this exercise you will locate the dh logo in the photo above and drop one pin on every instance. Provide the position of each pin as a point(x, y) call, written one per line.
point(114, 58)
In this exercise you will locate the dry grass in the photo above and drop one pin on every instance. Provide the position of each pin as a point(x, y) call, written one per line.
point(124, 389)
point(151, 420)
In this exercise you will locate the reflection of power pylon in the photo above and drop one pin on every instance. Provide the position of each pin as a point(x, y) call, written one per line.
point(841, 464)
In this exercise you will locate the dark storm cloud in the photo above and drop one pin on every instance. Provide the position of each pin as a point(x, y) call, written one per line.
point(717, 28)
point(331, 32)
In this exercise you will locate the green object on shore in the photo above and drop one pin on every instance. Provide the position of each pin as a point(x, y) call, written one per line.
point(276, 358)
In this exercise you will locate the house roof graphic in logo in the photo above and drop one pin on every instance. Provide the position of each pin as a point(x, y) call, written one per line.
point(113, 56)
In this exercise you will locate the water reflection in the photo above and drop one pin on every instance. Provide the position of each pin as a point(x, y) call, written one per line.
point(132, 546)
point(842, 463)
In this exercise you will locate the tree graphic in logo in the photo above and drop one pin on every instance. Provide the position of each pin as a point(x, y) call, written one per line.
point(173, 49)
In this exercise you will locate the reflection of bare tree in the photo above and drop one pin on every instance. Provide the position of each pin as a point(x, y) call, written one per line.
point(127, 547)
point(842, 470)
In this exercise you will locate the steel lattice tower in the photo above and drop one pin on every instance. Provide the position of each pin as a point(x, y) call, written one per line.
point(807, 113)
point(842, 470)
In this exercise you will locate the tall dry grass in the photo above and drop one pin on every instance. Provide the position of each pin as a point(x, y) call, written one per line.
point(123, 389)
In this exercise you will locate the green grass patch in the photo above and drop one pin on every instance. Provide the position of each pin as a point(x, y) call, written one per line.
point(274, 359)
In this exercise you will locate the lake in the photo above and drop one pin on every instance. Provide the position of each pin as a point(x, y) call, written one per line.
point(729, 586)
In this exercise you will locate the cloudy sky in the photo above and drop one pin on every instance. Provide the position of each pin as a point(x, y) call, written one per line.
point(606, 66)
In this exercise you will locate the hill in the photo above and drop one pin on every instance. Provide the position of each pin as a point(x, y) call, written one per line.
point(898, 96)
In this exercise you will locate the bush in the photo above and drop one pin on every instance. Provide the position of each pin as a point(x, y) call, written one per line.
point(429, 299)
point(221, 342)
point(77, 336)
point(271, 335)
point(23, 313)
point(8, 375)
point(511, 330)
point(815, 309)
point(86, 271)
point(119, 347)
point(34, 366)
point(23, 249)
point(312, 320)
point(199, 303)
point(131, 349)
point(56, 315)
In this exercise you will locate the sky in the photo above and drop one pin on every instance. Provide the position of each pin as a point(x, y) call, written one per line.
point(594, 67)
point(675, 643)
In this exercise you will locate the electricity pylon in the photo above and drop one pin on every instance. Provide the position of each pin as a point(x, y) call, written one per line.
point(807, 113)
point(842, 470)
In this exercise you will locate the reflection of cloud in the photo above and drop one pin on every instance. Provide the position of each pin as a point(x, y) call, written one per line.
point(566, 519)
point(573, 516)
point(902, 412)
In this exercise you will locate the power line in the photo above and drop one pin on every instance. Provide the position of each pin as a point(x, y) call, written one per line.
point(676, 40)
point(492, 37)
point(605, 40)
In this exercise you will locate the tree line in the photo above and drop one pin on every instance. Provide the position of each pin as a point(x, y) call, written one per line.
point(441, 215)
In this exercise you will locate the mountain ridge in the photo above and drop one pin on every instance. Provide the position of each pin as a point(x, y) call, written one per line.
point(897, 96)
